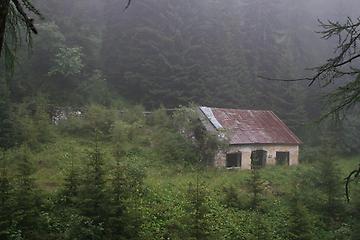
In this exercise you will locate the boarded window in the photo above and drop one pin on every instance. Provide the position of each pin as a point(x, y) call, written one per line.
point(282, 158)
point(233, 160)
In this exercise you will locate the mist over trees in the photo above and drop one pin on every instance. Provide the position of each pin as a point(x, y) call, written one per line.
point(171, 53)
point(92, 148)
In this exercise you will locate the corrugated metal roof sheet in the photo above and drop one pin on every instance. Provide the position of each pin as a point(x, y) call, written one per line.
point(209, 114)
point(252, 126)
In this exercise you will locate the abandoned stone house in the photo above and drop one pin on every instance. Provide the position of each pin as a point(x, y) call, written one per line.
point(256, 138)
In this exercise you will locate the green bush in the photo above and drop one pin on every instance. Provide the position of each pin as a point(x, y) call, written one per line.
point(33, 123)
point(96, 120)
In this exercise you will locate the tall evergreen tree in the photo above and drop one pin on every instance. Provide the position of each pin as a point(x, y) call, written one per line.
point(93, 197)
point(255, 188)
point(70, 193)
point(299, 223)
point(355, 215)
point(27, 199)
point(117, 205)
point(64, 208)
point(261, 232)
point(5, 204)
point(196, 223)
point(7, 127)
point(197, 210)
point(331, 185)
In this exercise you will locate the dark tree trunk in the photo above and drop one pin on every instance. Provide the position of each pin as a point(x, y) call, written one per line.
point(4, 9)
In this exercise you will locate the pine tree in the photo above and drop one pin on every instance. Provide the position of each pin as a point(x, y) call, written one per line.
point(299, 223)
point(261, 230)
point(232, 198)
point(5, 205)
point(117, 205)
point(197, 226)
point(27, 200)
point(7, 128)
point(331, 186)
point(254, 185)
point(133, 191)
point(65, 208)
point(93, 195)
point(70, 192)
point(355, 213)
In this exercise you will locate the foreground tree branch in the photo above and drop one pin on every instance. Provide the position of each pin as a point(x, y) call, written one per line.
point(352, 176)
point(128, 4)
point(343, 68)
point(15, 13)
point(4, 10)
point(22, 11)
point(29, 22)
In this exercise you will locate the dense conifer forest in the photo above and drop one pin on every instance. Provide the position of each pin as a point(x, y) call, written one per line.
point(99, 138)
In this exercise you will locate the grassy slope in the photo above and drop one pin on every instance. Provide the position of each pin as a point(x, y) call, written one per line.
point(278, 178)
point(51, 161)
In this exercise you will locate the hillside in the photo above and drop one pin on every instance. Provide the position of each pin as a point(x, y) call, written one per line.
point(100, 139)
point(161, 182)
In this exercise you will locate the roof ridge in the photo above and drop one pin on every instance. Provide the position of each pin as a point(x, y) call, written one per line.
point(239, 109)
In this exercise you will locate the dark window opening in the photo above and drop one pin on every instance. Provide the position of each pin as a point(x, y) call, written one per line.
point(282, 158)
point(258, 158)
point(233, 160)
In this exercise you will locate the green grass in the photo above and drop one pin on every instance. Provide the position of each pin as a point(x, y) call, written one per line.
point(277, 178)
point(52, 160)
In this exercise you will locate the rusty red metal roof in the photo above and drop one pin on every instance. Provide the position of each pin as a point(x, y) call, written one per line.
point(250, 126)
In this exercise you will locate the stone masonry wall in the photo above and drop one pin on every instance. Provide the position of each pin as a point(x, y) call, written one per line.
point(220, 158)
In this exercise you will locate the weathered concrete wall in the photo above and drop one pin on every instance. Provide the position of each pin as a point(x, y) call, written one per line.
point(220, 158)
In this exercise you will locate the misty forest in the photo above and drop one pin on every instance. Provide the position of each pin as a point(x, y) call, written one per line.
point(101, 135)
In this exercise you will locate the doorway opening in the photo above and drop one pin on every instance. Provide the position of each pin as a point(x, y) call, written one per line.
point(258, 158)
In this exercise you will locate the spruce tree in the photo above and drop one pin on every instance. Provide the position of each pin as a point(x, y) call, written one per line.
point(65, 208)
point(7, 128)
point(5, 205)
point(27, 200)
point(70, 192)
point(254, 186)
point(331, 186)
point(299, 223)
point(117, 211)
point(261, 230)
point(232, 198)
point(93, 195)
point(355, 213)
point(197, 209)
point(126, 193)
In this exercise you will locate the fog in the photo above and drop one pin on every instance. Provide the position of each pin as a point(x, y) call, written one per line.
point(179, 119)
point(171, 53)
